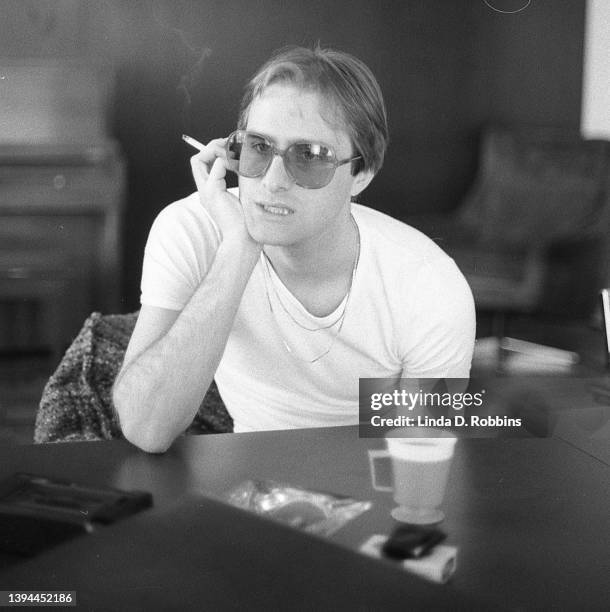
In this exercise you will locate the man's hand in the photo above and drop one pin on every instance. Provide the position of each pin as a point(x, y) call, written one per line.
point(209, 171)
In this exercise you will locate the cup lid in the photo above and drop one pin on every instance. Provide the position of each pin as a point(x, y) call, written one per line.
point(427, 444)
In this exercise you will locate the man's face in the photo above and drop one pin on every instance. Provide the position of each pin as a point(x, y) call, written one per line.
point(285, 115)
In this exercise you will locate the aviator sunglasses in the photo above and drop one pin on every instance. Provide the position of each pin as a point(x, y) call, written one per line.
point(309, 164)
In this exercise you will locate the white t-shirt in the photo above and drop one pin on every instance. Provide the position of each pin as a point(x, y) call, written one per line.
point(410, 314)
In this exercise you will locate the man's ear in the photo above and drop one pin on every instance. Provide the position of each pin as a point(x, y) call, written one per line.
point(361, 181)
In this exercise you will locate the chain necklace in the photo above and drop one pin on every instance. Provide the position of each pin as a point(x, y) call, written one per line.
point(268, 267)
point(339, 320)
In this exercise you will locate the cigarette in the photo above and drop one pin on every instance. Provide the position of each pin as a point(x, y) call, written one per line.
point(194, 143)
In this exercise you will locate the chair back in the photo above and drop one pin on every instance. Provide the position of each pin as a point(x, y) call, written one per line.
point(76, 403)
point(538, 220)
point(538, 186)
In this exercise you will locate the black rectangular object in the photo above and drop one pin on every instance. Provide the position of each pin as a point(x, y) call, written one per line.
point(412, 541)
point(37, 512)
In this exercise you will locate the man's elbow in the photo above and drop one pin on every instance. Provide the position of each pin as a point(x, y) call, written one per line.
point(143, 435)
point(146, 440)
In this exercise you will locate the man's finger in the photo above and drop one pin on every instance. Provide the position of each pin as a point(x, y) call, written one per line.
point(216, 177)
point(200, 171)
point(217, 144)
point(214, 148)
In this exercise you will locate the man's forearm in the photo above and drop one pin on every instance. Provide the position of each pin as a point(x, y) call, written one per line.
point(158, 392)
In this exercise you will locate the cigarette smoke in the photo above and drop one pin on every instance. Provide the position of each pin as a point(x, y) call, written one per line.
point(196, 58)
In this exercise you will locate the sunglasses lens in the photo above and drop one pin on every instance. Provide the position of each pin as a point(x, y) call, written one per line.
point(248, 154)
point(311, 165)
point(233, 149)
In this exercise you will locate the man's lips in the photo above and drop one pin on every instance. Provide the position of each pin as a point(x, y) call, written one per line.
point(275, 208)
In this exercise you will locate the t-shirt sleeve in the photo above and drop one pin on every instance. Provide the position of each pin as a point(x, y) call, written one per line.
point(440, 327)
point(179, 250)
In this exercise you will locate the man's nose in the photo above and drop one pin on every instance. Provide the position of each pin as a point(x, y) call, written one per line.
point(276, 178)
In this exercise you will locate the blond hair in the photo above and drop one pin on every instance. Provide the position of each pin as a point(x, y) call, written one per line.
point(340, 78)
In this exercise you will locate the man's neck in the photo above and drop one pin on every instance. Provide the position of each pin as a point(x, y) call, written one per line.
point(319, 274)
point(319, 259)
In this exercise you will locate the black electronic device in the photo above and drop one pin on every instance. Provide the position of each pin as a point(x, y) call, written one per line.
point(37, 512)
point(411, 542)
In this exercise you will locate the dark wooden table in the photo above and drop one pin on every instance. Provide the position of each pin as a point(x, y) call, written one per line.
point(529, 517)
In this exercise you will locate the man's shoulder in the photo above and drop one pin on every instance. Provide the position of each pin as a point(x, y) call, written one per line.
point(183, 209)
point(407, 258)
point(185, 216)
point(399, 240)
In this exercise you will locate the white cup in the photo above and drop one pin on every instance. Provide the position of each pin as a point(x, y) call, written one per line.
point(421, 459)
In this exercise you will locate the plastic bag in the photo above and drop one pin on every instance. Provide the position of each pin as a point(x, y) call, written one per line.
point(312, 511)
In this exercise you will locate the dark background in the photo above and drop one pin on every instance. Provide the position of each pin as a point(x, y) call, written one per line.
point(447, 67)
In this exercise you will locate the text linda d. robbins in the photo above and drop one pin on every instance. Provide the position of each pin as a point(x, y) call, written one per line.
point(457, 420)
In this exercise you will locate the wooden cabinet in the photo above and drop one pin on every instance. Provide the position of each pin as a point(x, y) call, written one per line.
point(61, 189)
point(60, 212)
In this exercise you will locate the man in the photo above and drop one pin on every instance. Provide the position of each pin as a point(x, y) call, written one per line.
point(285, 291)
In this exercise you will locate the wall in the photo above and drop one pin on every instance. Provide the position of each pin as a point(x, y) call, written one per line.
point(446, 67)
point(528, 66)
point(596, 81)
